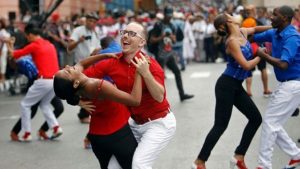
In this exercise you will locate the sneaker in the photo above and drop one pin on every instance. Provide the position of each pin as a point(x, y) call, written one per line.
point(296, 113)
point(14, 136)
point(234, 163)
point(293, 164)
point(267, 94)
point(186, 96)
point(87, 144)
point(219, 60)
point(26, 137)
point(42, 135)
point(57, 131)
point(194, 166)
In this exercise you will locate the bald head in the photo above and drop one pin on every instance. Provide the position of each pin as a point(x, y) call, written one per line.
point(140, 29)
point(251, 10)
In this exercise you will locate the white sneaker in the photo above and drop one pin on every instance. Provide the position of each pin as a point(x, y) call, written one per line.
point(26, 137)
point(57, 131)
point(194, 166)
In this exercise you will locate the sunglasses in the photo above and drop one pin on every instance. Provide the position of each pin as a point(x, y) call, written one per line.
point(130, 33)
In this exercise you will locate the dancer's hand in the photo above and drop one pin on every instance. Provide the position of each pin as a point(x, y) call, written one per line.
point(261, 52)
point(87, 105)
point(141, 64)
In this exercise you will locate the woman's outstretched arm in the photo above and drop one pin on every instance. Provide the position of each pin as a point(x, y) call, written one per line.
point(256, 29)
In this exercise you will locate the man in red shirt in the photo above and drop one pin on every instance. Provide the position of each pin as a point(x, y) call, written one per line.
point(152, 123)
point(45, 58)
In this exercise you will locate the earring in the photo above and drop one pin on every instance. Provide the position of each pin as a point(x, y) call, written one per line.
point(76, 83)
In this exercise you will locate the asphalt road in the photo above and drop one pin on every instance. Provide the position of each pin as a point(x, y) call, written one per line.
point(194, 120)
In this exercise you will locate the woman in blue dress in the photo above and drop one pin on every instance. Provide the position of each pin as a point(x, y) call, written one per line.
point(229, 91)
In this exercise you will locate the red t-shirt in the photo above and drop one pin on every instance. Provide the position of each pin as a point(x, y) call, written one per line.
point(43, 55)
point(123, 74)
point(108, 116)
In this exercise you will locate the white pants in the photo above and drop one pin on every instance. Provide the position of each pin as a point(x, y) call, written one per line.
point(283, 102)
point(3, 59)
point(152, 138)
point(41, 91)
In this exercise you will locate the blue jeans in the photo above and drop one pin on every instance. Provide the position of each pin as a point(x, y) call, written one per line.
point(179, 50)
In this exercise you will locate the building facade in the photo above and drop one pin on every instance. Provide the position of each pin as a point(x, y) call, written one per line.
point(11, 8)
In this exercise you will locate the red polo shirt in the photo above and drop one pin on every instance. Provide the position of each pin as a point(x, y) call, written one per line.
point(43, 55)
point(123, 74)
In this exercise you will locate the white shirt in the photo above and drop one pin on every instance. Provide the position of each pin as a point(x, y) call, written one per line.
point(210, 30)
point(199, 26)
point(85, 48)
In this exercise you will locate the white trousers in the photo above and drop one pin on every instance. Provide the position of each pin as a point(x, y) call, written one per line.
point(3, 59)
point(41, 91)
point(152, 138)
point(283, 102)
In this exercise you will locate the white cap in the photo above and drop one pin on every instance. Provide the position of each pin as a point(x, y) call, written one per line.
point(160, 16)
point(239, 8)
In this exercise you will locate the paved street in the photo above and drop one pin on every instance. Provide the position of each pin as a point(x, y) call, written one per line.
point(194, 120)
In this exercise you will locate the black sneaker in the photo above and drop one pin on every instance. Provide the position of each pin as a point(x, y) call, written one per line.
point(186, 96)
point(296, 113)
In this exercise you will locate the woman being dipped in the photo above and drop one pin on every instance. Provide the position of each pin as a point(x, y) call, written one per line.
point(109, 132)
point(229, 91)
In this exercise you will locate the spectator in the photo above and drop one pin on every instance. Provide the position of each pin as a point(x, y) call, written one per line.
point(163, 36)
point(4, 36)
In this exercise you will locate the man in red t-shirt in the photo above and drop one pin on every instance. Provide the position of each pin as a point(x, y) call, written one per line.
point(44, 56)
point(152, 123)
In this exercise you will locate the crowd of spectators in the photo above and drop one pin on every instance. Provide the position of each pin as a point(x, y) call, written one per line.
point(200, 41)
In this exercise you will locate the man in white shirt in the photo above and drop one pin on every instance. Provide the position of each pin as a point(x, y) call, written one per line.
point(84, 39)
point(199, 28)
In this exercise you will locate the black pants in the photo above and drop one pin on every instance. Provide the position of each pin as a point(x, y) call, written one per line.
point(209, 49)
point(168, 59)
point(121, 144)
point(229, 92)
point(58, 109)
point(83, 114)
